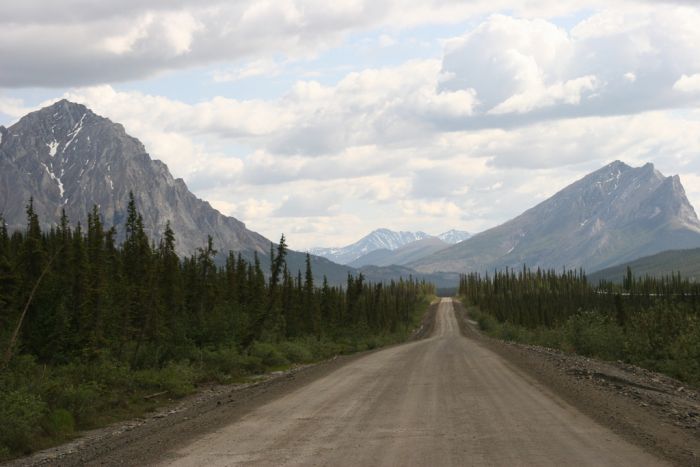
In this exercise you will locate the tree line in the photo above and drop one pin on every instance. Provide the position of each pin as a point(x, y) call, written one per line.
point(140, 302)
point(100, 322)
point(650, 321)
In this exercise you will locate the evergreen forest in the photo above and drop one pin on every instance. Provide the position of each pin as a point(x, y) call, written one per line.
point(91, 330)
point(647, 321)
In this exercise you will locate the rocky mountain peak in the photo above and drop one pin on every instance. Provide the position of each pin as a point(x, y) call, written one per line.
point(67, 157)
point(613, 214)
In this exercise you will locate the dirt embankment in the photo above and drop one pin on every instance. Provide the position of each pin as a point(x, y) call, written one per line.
point(427, 325)
point(649, 409)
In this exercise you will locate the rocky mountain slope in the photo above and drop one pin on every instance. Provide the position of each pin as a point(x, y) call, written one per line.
point(67, 157)
point(615, 214)
point(406, 254)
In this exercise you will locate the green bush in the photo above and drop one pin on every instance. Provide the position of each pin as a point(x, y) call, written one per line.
point(253, 365)
point(650, 334)
point(80, 399)
point(222, 364)
point(684, 354)
point(551, 338)
point(594, 334)
point(513, 333)
point(59, 422)
point(487, 323)
point(20, 413)
point(296, 352)
point(268, 354)
point(177, 378)
point(324, 348)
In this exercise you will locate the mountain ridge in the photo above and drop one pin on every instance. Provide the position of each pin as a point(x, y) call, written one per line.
point(377, 239)
point(65, 156)
point(383, 239)
point(613, 214)
point(402, 255)
point(74, 159)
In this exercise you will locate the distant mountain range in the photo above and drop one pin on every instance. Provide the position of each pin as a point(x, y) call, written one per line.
point(67, 157)
point(615, 214)
point(403, 255)
point(385, 240)
point(685, 262)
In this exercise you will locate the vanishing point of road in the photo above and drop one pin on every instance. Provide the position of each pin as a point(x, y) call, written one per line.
point(442, 401)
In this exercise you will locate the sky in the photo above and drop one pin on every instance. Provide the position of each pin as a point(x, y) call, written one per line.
point(326, 120)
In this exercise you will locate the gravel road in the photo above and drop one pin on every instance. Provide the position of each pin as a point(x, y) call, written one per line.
point(445, 400)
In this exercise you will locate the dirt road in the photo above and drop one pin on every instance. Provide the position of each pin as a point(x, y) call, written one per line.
point(445, 400)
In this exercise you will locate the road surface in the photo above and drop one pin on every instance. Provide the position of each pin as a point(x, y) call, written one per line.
point(441, 401)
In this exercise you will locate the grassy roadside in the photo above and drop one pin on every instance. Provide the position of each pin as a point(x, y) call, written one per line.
point(646, 341)
point(42, 406)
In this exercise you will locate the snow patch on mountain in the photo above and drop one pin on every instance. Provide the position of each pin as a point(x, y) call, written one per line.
point(454, 236)
point(53, 147)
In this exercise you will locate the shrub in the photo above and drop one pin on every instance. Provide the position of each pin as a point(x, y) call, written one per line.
point(487, 323)
point(223, 362)
point(177, 378)
point(651, 333)
point(296, 352)
point(20, 413)
point(80, 400)
point(594, 334)
point(59, 422)
point(268, 354)
point(684, 361)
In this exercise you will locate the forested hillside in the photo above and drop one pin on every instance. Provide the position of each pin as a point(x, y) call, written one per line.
point(685, 262)
point(87, 326)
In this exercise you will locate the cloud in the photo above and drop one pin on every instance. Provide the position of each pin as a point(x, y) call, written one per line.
point(260, 67)
point(96, 44)
point(515, 109)
point(430, 208)
point(308, 205)
point(83, 42)
point(392, 105)
point(616, 61)
point(688, 84)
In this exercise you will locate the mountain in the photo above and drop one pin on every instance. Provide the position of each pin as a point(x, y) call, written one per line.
point(454, 236)
point(615, 214)
point(67, 157)
point(406, 254)
point(378, 239)
point(687, 262)
point(441, 280)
